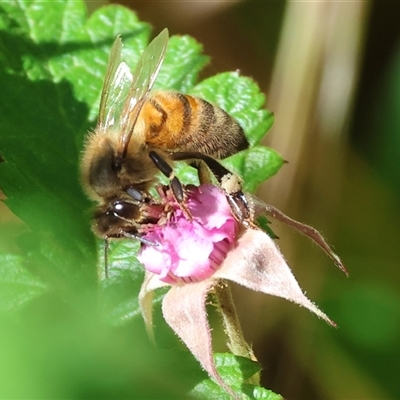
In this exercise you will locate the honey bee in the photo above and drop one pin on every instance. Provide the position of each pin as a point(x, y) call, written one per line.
point(140, 133)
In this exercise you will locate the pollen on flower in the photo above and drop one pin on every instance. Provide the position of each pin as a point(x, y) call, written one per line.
point(190, 250)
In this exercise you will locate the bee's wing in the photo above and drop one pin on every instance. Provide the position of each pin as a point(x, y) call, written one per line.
point(123, 93)
point(143, 80)
point(116, 87)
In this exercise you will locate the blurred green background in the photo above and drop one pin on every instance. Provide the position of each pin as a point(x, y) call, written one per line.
point(331, 72)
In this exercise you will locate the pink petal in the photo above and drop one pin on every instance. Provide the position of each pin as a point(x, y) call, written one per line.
point(257, 264)
point(157, 262)
point(184, 309)
point(209, 206)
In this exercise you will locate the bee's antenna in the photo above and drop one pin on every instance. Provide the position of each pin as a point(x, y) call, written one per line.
point(106, 248)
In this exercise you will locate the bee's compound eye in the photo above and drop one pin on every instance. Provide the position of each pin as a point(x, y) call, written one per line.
point(118, 208)
point(124, 210)
point(135, 194)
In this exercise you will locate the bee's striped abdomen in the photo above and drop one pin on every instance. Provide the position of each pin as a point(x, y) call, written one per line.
point(179, 122)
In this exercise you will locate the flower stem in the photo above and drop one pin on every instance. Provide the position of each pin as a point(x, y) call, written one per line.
point(236, 343)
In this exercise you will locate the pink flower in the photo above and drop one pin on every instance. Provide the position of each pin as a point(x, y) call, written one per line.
point(196, 255)
point(191, 250)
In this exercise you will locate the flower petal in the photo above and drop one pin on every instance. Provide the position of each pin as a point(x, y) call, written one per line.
point(184, 309)
point(208, 204)
point(257, 263)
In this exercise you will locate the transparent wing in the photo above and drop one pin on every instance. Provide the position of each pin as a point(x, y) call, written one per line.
point(117, 83)
point(143, 80)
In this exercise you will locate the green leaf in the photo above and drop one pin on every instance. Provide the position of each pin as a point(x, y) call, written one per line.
point(182, 64)
point(254, 165)
point(259, 393)
point(235, 368)
point(264, 224)
point(234, 371)
point(18, 286)
point(119, 299)
point(241, 98)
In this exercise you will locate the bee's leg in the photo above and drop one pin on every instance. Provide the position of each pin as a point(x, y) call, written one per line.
point(198, 160)
point(137, 236)
point(203, 172)
point(167, 170)
point(175, 183)
point(230, 183)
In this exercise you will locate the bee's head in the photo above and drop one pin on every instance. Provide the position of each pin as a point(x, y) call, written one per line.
point(100, 167)
point(107, 174)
